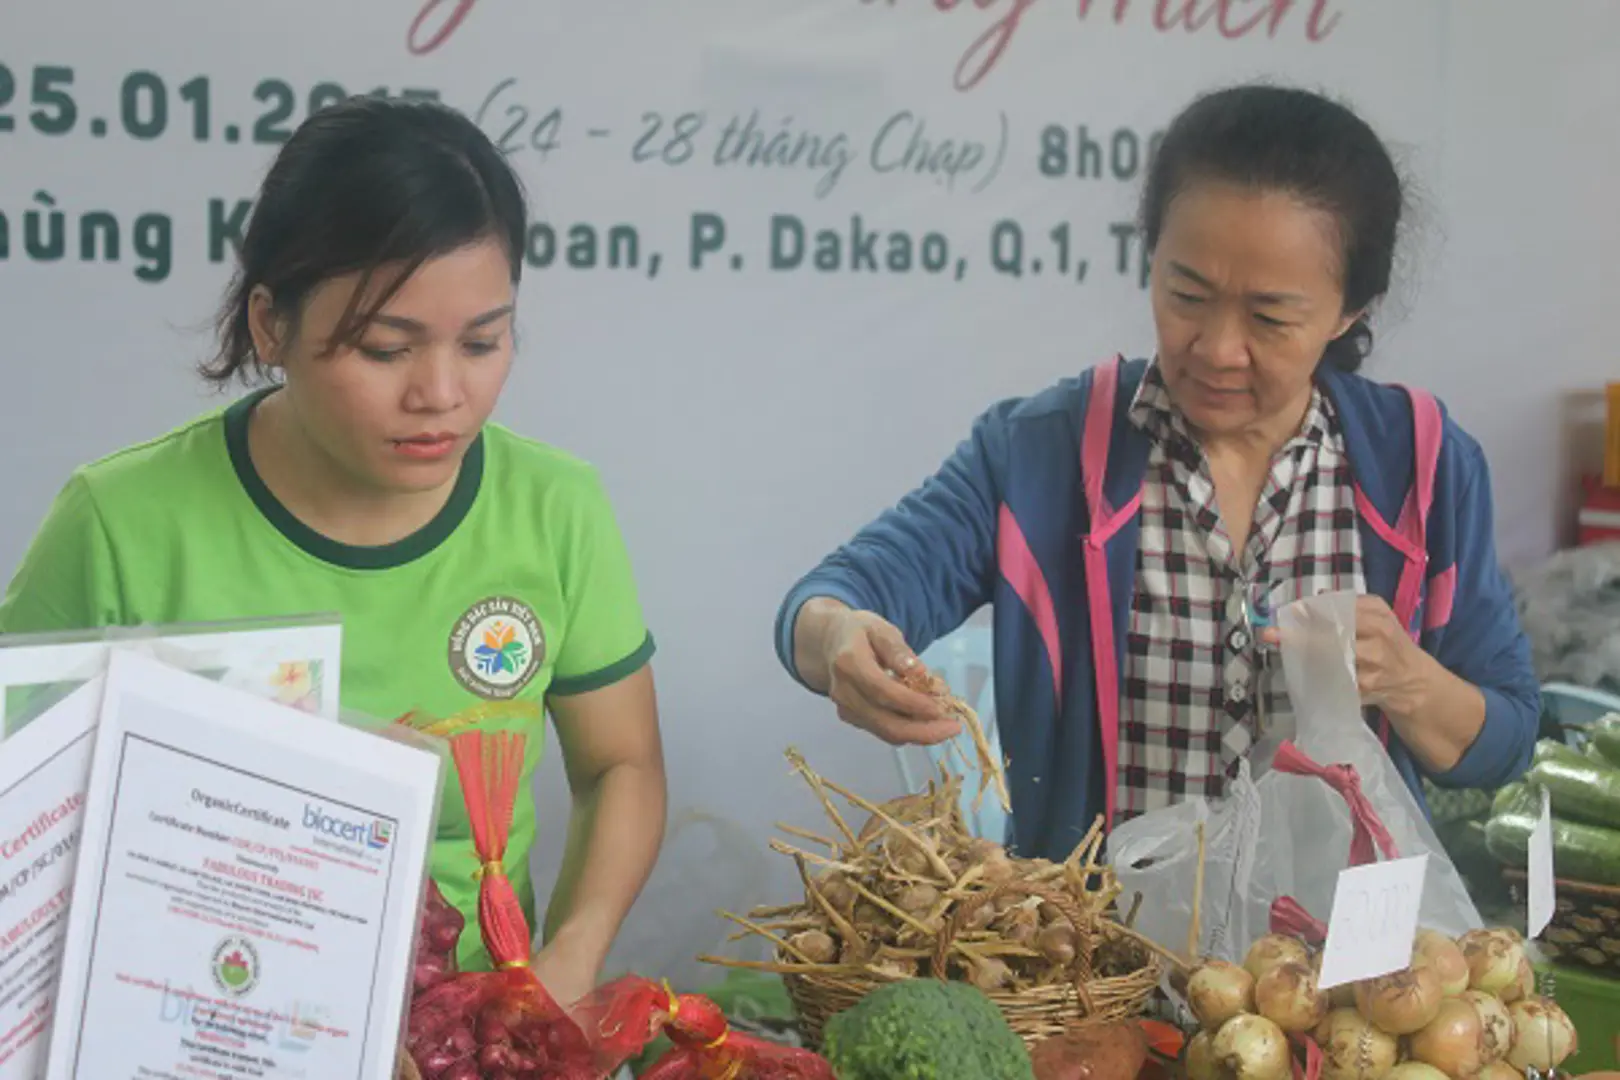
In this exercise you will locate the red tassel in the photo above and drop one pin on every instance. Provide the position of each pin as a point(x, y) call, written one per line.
point(490, 765)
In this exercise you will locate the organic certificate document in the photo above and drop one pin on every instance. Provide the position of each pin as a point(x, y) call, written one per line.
point(43, 771)
point(247, 892)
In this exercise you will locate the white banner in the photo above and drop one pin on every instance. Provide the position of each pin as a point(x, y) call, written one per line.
point(783, 251)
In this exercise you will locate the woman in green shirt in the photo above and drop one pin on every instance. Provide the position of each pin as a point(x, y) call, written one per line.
point(480, 576)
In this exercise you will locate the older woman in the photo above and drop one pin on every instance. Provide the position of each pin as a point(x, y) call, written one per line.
point(1125, 522)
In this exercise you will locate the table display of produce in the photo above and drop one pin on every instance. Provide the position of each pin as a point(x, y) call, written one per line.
point(1463, 1009)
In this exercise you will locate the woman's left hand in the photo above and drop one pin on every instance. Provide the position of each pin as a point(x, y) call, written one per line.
point(1392, 671)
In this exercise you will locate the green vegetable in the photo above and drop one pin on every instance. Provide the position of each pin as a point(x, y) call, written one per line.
point(1447, 805)
point(1582, 790)
point(925, 1029)
point(1553, 750)
point(1509, 797)
point(1605, 735)
point(1581, 852)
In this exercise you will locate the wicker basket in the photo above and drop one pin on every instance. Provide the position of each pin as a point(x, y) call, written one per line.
point(1585, 927)
point(1034, 1014)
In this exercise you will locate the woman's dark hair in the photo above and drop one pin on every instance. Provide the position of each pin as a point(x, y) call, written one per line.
point(361, 185)
point(1277, 139)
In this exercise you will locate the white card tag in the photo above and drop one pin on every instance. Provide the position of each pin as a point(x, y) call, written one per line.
point(1541, 894)
point(1374, 920)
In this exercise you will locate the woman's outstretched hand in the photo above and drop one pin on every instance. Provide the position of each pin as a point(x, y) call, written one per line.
point(852, 657)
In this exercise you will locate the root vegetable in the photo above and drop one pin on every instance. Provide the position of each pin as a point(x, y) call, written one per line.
point(1493, 959)
point(1270, 950)
point(837, 891)
point(980, 918)
point(1402, 1002)
point(1446, 957)
point(1500, 1070)
point(430, 970)
point(816, 945)
point(1543, 1035)
point(1415, 1070)
point(1495, 1025)
point(1058, 943)
point(1111, 1051)
point(1287, 996)
point(917, 899)
point(1453, 1041)
point(1201, 1058)
point(1524, 986)
point(991, 974)
point(1352, 1049)
point(1250, 1047)
point(1020, 925)
point(1218, 991)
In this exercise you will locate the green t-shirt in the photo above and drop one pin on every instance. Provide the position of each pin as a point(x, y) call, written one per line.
point(520, 589)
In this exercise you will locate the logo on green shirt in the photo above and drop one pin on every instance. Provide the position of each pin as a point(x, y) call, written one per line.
point(496, 647)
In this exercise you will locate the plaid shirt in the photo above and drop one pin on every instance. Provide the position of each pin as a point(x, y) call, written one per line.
point(1192, 670)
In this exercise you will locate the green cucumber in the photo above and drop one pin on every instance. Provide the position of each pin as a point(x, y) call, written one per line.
point(1511, 798)
point(1553, 750)
point(1581, 852)
point(1582, 790)
point(1605, 735)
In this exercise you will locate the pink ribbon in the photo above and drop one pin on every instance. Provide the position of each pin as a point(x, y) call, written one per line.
point(1367, 827)
point(1289, 917)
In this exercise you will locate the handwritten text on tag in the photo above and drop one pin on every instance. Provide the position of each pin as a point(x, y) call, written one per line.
point(1374, 920)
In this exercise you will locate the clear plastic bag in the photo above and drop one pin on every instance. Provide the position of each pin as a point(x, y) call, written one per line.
point(1281, 835)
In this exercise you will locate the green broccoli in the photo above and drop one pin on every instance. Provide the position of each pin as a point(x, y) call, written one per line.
point(925, 1029)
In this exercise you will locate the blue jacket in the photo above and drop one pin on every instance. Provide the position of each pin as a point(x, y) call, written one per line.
point(1014, 519)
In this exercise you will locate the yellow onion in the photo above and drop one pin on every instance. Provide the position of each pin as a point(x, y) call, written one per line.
point(1452, 1042)
point(1218, 991)
point(1250, 1047)
point(1543, 1035)
point(1402, 1002)
point(1495, 1025)
point(1493, 959)
point(1500, 1070)
point(1269, 950)
point(1352, 1049)
point(1438, 951)
point(1287, 996)
point(1201, 1058)
point(1415, 1070)
point(1522, 987)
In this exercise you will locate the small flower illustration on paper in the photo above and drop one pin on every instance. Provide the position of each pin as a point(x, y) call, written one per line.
point(295, 684)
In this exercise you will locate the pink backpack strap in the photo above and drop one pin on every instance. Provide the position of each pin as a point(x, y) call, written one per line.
point(1414, 520)
point(1103, 521)
point(1409, 535)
